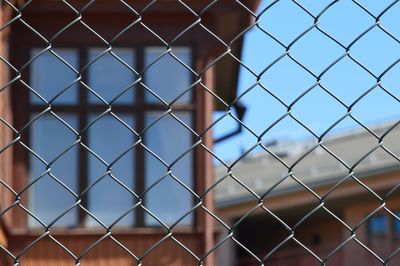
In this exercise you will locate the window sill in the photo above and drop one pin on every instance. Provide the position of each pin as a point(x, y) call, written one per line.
point(82, 231)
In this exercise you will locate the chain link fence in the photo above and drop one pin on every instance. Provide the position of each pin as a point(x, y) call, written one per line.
point(101, 135)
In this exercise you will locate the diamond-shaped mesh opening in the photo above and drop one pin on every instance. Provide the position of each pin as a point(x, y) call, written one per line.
point(327, 106)
point(112, 75)
point(322, 233)
point(102, 202)
point(162, 66)
point(316, 60)
point(169, 33)
point(319, 165)
point(65, 136)
point(54, 251)
point(60, 85)
point(295, 184)
point(376, 62)
point(283, 88)
point(228, 155)
point(46, 193)
point(274, 51)
point(169, 210)
point(347, 10)
point(123, 134)
point(276, 24)
point(210, 22)
point(265, 106)
point(347, 81)
point(69, 15)
point(340, 147)
point(230, 185)
point(199, 133)
point(120, 22)
point(376, 95)
point(261, 243)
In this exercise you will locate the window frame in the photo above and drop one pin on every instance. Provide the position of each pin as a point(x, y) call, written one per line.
point(138, 109)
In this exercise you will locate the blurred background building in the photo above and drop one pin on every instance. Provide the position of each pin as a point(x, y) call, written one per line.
point(290, 199)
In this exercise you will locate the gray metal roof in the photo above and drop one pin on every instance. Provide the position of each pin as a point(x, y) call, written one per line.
point(262, 171)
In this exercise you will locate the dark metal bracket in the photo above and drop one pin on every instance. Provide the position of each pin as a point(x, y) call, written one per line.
point(240, 110)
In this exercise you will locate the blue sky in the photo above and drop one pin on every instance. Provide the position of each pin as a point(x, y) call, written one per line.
point(344, 21)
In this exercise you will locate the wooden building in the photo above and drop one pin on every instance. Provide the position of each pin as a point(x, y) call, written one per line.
point(56, 60)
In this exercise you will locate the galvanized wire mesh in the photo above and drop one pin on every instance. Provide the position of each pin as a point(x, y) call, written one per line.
point(167, 108)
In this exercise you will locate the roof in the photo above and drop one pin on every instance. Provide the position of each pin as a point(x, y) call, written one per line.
point(262, 171)
point(231, 26)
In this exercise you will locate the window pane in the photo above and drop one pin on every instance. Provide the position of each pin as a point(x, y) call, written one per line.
point(108, 77)
point(49, 76)
point(167, 77)
point(168, 199)
point(47, 198)
point(377, 225)
point(108, 200)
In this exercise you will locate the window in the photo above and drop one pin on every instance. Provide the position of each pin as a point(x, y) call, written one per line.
point(107, 161)
point(377, 225)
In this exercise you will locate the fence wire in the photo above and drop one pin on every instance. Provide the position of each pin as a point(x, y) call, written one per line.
point(167, 109)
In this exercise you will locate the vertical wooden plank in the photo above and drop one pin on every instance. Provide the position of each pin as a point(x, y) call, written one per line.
point(204, 162)
point(208, 107)
point(4, 137)
point(5, 113)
